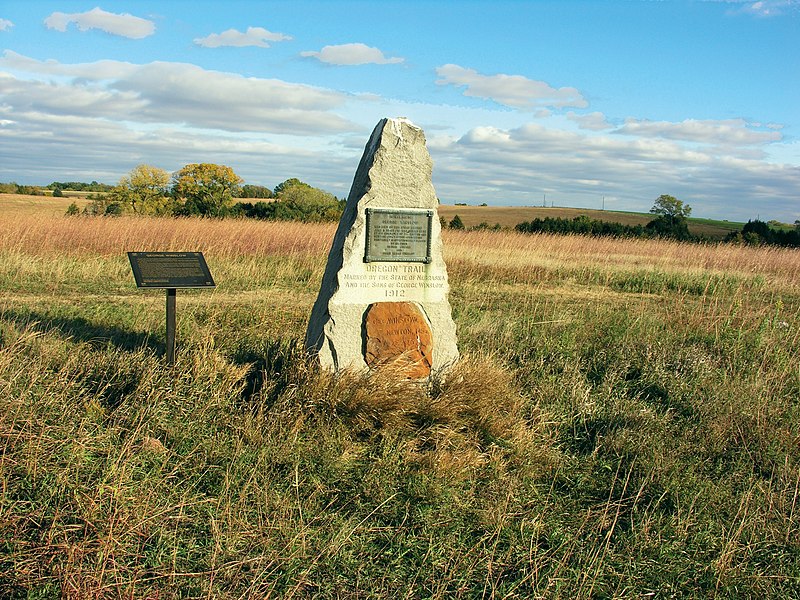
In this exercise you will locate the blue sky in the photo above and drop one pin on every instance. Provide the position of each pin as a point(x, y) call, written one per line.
point(577, 103)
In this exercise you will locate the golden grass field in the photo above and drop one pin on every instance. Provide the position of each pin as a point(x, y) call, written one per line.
point(624, 422)
point(15, 204)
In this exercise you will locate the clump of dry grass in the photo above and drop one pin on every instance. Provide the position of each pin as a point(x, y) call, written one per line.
point(473, 416)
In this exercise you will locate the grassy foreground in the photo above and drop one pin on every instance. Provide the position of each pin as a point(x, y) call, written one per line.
point(625, 422)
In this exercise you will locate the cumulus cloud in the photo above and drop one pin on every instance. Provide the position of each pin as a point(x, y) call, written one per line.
point(5, 24)
point(95, 71)
point(165, 92)
point(595, 121)
point(734, 132)
point(514, 91)
point(517, 165)
point(351, 54)
point(125, 25)
point(254, 36)
point(87, 148)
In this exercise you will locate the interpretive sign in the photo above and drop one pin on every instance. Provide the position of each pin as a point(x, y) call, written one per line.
point(398, 235)
point(170, 270)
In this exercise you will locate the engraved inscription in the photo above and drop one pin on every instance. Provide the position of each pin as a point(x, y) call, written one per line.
point(398, 235)
point(397, 335)
point(401, 281)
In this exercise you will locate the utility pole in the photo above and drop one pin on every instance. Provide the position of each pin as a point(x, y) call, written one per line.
point(604, 203)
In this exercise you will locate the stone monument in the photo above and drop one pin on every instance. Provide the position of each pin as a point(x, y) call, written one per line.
point(383, 299)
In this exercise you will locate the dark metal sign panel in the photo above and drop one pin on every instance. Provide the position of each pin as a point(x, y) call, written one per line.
point(170, 270)
point(398, 235)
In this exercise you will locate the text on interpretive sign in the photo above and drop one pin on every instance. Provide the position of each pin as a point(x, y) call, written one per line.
point(170, 270)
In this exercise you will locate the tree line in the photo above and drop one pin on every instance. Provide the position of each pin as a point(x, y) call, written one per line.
point(670, 222)
point(211, 190)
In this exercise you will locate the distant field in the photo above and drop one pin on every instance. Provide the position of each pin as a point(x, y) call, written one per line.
point(509, 216)
point(505, 216)
point(39, 205)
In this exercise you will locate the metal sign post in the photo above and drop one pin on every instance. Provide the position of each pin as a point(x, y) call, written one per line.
point(172, 294)
point(170, 271)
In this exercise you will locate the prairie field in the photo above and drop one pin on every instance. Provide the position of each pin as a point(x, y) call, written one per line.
point(24, 204)
point(509, 216)
point(624, 422)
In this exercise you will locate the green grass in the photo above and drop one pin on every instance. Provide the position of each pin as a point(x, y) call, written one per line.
point(610, 432)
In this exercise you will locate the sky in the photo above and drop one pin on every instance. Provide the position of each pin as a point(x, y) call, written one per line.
point(589, 104)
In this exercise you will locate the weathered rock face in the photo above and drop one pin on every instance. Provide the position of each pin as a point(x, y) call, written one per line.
point(397, 335)
point(394, 174)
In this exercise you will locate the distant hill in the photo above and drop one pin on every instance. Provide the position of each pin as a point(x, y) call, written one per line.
point(509, 216)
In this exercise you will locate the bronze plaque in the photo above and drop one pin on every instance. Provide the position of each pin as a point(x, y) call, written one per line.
point(170, 270)
point(398, 235)
point(398, 335)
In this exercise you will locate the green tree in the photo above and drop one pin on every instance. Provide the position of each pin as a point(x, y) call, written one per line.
point(206, 189)
point(313, 204)
point(671, 207)
point(296, 201)
point(145, 190)
point(287, 184)
point(456, 223)
point(255, 191)
point(671, 220)
point(73, 210)
point(669, 226)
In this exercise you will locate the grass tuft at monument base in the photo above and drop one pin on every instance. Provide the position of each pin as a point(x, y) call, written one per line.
point(625, 422)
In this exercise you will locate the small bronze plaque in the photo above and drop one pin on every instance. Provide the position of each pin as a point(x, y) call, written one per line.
point(170, 270)
point(397, 335)
point(398, 235)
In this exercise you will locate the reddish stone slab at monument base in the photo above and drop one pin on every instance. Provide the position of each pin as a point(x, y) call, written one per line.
point(398, 334)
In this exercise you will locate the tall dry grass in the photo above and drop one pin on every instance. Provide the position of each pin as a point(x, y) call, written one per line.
point(518, 252)
point(108, 236)
point(505, 250)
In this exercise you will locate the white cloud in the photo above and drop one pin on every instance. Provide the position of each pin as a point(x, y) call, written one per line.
point(163, 92)
point(5, 24)
point(733, 132)
point(351, 54)
point(515, 91)
point(98, 120)
point(517, 165)
point(87, 148)
point(595, 121)
point(254, 36)
point(95, 71)
point(124, 25)
point(766, 8)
